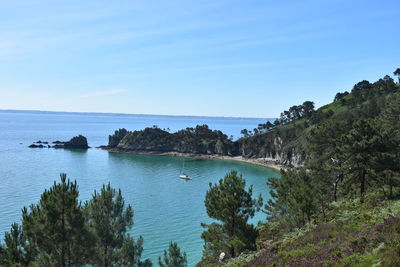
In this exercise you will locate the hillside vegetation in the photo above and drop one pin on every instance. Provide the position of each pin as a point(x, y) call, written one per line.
point(341, 206)
point(198, 140)
point(283, 142)
point(350, 234)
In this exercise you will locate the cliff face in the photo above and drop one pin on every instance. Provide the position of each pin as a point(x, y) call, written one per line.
point(283, 146)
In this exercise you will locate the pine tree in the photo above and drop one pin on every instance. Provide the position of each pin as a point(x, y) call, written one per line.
point(173, 257)
point(110, 220)
point(323, 158)
point(293, 198)
point(16, 251)
point(397, 72)
point(131, 252)
point(358, 154)
point(229, 202)
point(389, 158)
point(56, 226)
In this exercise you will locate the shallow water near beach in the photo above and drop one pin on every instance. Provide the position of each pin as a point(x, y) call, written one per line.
point(166, 208)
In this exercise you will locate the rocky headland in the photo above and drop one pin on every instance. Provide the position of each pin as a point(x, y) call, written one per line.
point(270, 149)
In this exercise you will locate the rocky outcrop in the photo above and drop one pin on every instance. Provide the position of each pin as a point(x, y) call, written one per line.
point(38, 146)
point(75, 142)
point(279, 146)
point(113, 140)
point(198, 140)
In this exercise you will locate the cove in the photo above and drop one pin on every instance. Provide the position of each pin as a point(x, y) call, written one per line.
point(166, 208)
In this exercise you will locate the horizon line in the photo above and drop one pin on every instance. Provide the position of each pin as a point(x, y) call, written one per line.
point(125, 114)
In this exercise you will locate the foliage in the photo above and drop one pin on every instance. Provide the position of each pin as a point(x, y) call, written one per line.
point(294, 113)
point(292, 198)
point(200, 140)
point(358, 154)
point(353, 159)
point(16, 250)
point(285, 142)
point(113, 140)
point(297, 112)
point(109, 220)
point(230, 203)
point(323, 158)
point(397, 73)
point(56, 226)
point(351, 150)
point(59, 231)
point(364, 237)
point(173, 257)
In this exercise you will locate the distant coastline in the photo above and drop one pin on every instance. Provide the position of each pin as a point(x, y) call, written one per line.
point(255, 161)
point(125, 114)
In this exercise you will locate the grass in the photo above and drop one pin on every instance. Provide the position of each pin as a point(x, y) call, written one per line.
point(353, 234)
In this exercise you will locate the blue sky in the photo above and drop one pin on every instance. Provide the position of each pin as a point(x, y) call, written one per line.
point(213, 58)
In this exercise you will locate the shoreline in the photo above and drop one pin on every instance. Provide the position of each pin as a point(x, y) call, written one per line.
point(255, 161)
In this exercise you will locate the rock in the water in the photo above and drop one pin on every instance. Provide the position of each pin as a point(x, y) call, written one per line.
point(36, 146)
point(76, 142)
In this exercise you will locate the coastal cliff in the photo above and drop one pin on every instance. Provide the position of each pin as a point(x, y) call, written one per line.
point(276, 147)
point(281, 147)
point(342, 208)
point(283, 143)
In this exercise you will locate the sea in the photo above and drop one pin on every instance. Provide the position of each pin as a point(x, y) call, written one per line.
point(166, 208)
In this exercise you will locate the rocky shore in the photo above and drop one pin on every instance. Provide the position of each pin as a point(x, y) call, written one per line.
point(256, 161)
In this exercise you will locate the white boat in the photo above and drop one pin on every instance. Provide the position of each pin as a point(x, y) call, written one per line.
point(184, 175)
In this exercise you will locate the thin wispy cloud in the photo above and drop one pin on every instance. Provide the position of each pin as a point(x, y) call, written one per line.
point(104, 93)
point(170, 47)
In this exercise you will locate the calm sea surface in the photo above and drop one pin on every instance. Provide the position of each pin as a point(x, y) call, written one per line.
point(166, 207)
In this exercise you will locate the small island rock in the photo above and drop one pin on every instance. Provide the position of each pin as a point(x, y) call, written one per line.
point(76, 142)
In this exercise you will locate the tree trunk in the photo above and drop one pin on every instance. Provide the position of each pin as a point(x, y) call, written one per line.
point(63, 263)
point(335, 186)
point(232, 251)
point(362, 186)
point(323, 207)
point(69, 254)
point(232, 234)
point(105, 257)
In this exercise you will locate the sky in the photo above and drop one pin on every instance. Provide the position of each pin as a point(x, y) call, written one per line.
point(208, 58)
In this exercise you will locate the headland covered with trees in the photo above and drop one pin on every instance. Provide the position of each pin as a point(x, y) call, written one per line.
point(282, 142)
point(340, 206)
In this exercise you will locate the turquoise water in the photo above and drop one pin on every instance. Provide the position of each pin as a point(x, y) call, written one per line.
point(166, 207)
